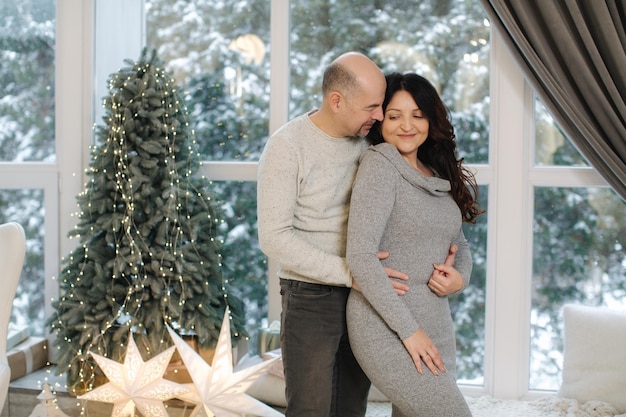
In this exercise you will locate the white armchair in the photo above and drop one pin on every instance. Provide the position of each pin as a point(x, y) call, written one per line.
point(12, 250)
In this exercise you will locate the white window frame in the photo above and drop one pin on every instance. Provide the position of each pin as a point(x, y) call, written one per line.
point(39, 176)
point(510, 174)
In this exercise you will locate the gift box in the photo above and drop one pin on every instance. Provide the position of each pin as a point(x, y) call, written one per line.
point(277, 366)
point(269, 338)
point(28, 356)
point(177, 371)
point(16, 335)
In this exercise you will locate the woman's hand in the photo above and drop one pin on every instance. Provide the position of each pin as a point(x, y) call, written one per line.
point(424, 352)
point(445, 279)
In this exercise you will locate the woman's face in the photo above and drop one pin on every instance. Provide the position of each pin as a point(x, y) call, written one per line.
point(404, 125)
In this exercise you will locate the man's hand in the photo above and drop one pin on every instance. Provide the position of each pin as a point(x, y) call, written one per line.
point(400, 287)
point(445, 279)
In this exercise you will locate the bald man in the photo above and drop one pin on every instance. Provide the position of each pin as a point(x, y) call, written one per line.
point(304, 184)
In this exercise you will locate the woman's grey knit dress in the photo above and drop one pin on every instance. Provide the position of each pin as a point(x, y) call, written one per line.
point(394, 208)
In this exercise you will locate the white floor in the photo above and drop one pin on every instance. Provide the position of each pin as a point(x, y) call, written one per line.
point(550, 406)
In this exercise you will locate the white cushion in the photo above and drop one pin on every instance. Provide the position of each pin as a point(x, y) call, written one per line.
point(594, 359)
point(270, 388)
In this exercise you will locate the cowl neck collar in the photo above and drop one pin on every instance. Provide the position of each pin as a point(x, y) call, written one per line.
point(432, 185)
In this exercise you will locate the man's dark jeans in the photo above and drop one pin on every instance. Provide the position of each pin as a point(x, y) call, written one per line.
point(323, 378)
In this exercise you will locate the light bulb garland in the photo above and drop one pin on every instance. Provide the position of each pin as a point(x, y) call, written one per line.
point(127, 229)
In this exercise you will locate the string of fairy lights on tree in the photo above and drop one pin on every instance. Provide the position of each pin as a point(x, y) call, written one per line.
point(147, 220)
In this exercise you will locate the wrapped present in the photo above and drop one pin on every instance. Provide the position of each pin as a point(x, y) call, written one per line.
point(16, 335)
point(269, 338)
point(28, 356)
point(177, 371)
point(277, 366)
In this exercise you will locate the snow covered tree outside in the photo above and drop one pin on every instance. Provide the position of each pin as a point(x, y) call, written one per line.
point(232, 122)
point(27, 112)
point(448, 42)
point(579, 242)
point(579, 251)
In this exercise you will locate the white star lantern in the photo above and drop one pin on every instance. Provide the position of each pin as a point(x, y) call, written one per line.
point(218, 391)
point(136, 383)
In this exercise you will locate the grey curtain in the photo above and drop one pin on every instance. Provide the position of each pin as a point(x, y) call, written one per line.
point(573, 53)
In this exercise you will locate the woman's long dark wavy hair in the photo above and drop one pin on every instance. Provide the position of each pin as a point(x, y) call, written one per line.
point(439, 150)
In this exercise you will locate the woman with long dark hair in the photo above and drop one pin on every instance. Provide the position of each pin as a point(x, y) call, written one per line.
point(410, 198)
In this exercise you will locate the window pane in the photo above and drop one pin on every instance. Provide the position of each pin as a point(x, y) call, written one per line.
point(27, 80)
point(552, 147)
point(448, 43)
point(26, 208)
point(27, 45)
point(219, 53)
point(579, 257)
point(445, 41)
point(227, 86)
point(244, 265)
point(223, 67)
point(468, 309)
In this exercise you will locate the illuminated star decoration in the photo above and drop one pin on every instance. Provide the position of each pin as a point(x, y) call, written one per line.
point(218, 390)
point(136, 383)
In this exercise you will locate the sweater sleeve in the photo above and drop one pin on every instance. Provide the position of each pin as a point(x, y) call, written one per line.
point(463, 259)
point(277, 194)
point(372, 202)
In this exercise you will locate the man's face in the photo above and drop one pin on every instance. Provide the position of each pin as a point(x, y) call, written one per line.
point(364, 108)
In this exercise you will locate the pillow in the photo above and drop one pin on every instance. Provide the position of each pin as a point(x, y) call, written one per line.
point(594, 359)
point(269, 389)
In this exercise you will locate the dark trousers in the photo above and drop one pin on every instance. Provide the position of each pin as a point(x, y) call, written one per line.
point(323, 379)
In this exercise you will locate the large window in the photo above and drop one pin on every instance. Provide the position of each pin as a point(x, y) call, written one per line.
point(579, 247)
point(27, 142)
point(225, 68)
point(220, 53)
point(553, 232)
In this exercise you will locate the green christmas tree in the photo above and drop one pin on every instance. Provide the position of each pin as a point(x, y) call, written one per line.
point(147, 225)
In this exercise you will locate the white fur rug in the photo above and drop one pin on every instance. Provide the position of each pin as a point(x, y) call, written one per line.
point(544, 407)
